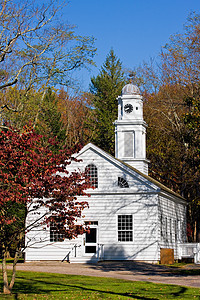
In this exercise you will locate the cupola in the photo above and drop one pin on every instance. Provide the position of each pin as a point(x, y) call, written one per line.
point(130, 129)
point(130, 89)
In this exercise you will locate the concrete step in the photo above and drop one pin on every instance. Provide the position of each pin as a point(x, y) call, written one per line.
point(84, 260)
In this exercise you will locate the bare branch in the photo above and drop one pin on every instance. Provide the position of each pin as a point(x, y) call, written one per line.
point(9, 108)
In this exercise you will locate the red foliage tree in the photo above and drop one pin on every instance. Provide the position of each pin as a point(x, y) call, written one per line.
point(32, 178)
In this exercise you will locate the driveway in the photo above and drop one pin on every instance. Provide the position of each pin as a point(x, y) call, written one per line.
point(129, 270)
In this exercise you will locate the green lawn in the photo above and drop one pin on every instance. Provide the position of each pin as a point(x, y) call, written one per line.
point(32, 285)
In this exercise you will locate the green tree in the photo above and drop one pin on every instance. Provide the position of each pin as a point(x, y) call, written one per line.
point(50, 123)
point(22, 108)
point(75, 113)
point(105, 88)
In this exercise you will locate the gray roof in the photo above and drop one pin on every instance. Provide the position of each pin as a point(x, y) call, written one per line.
point(154, 181)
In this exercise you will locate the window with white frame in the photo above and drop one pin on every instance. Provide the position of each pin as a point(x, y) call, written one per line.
point(166, 230)
point(175, 230)
point(179, 231)
point(91, 172)
point(161, 226)
point(125, 228)
point(170, 229)
point(56, 232)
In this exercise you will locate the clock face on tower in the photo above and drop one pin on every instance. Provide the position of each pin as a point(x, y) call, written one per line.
point(128, 108)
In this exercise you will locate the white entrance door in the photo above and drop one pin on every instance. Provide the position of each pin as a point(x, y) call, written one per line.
point(90, 241)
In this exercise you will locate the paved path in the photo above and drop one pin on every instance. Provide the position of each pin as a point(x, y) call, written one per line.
point(135, 271)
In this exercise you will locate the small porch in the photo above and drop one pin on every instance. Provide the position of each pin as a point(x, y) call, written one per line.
point(77, 255)
point(189, 251)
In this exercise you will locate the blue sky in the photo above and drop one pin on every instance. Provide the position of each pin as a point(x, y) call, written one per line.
point(135, 29)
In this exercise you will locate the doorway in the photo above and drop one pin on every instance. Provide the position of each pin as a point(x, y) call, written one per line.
point(91, 239)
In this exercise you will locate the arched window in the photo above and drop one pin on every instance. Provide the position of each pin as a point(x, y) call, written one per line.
point(122, 182)
point(91, 172)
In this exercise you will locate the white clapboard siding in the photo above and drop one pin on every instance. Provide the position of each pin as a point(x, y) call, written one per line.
point(105, 209)
point(172, 210)
point(145, 200)
point(107, 173)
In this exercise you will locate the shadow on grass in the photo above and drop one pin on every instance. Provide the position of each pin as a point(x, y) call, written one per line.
point(186, 272)
point(11, 260)
point(179, 293)
point(32, 288)
point(50, 284)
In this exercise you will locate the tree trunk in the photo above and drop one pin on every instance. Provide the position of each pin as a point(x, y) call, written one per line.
point(195, 231)
point(14, 270)
point(6, 289)
point(39, 109)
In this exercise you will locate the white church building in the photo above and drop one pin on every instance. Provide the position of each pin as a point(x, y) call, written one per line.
point(131, 215)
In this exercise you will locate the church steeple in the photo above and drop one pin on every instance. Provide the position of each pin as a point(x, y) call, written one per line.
point(130, 129)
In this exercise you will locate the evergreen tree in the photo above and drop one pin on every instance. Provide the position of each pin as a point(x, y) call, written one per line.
point(50, 123)
point(105, 88)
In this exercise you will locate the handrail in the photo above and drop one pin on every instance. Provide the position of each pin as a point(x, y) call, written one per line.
point(74, 247)
point(100, 251)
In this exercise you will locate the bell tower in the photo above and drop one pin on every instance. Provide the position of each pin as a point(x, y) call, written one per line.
point(130, 129)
